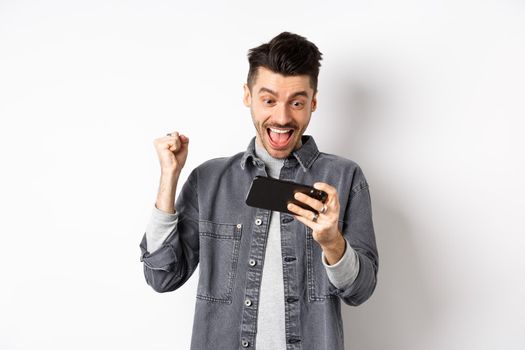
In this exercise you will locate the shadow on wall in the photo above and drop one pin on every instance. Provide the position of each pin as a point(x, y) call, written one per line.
point(401, 310)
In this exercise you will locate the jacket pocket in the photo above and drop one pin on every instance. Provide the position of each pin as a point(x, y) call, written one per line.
point(319, 286)
point(219, 253)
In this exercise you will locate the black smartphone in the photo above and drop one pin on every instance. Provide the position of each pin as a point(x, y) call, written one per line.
point(274, 194)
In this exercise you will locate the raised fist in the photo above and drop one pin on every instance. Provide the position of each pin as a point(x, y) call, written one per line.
point(172, 150)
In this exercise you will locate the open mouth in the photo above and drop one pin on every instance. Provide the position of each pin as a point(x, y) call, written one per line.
point(279, 138)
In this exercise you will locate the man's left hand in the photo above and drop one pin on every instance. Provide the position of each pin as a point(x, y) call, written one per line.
point(325, 229)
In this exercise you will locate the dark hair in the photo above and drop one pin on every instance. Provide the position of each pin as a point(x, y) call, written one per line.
point(287, 54)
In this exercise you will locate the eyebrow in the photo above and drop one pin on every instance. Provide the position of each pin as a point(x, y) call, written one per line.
point(298, 93)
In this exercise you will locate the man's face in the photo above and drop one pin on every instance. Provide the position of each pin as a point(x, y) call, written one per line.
point(281, 108)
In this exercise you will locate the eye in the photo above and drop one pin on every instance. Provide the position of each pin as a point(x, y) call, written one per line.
point(267, 101)
point(297, 104)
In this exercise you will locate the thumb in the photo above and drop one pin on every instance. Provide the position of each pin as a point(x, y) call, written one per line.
point(184, 139)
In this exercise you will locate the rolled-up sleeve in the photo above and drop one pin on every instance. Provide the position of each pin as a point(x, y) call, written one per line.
point(358, 230)
point(174, 256)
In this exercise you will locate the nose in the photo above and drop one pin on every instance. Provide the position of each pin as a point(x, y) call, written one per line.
point(281, 114)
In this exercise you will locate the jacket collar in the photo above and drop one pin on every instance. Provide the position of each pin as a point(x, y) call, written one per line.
point(305, 155)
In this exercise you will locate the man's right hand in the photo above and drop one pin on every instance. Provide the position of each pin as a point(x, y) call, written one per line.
point(172, 152)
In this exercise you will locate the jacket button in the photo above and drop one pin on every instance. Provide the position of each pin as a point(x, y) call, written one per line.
point(239, 226)
point(245, 343)
point(287, 219)
point(258, 222)
point(248, 302)
point(252, 262)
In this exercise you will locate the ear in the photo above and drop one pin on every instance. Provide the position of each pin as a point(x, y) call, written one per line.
point(247, 97)
point(314, 102)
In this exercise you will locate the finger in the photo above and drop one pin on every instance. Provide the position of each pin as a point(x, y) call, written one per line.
point(306, 199)
point(313, 225)
point(178, 140)
point(331, 191)
point(174, 142)
point(164, 142)
point(307, 214)
point(332, 201)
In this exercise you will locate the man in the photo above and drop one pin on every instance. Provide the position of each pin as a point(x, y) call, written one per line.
point(267, 280)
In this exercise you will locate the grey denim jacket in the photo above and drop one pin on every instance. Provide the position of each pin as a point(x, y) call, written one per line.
point(228, 238)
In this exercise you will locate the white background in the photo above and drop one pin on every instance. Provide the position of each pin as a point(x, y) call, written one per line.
point(427, 96)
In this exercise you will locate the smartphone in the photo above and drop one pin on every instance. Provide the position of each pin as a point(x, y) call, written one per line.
point(274, 194)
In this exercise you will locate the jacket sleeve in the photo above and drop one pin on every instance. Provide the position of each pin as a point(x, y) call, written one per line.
point(171, 265)
point(358, 229)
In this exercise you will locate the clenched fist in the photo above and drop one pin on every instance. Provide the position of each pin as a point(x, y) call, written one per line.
point(172, 151)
